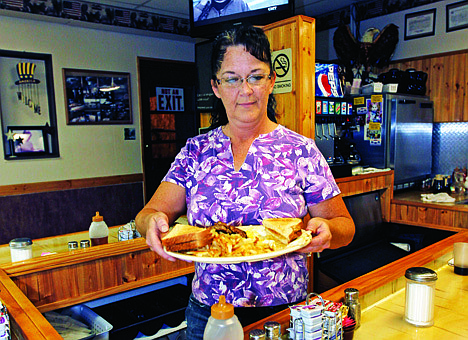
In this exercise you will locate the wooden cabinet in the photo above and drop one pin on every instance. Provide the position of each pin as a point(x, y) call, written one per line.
point(296, 109)
point(382, 181)
point(446, 84)
point(430, 215)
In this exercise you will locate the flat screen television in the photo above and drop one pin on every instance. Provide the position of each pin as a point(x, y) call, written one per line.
point(209, 17)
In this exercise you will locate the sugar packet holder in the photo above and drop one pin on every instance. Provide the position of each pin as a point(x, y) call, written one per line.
point(306, 320)
point(317, 319)
point(5, 332)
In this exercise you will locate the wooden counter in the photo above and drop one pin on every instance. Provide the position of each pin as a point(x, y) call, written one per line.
point(382, 283)
point(54, 244)
point(408, 208)
point(29, 288)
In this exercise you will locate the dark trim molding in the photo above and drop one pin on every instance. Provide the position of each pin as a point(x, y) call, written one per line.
point(29, 188)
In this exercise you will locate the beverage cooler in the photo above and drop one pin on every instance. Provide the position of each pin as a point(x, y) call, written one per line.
point(395, 131)
point(333, 113)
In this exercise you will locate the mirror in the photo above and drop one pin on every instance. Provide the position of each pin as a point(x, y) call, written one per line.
point(27, 105)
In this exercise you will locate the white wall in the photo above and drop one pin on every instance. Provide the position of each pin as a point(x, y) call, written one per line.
point(85, 151)
point(439, 43)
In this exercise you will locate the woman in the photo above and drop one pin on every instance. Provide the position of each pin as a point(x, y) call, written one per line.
point(244, 170)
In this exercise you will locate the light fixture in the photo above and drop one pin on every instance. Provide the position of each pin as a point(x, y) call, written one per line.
point(108, 88)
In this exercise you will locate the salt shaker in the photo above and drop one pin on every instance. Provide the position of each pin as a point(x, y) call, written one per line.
point(21, 249)
point(72, 245)
point(272, 330)
point(352, 301)
point(257, 334)
point(420, 295)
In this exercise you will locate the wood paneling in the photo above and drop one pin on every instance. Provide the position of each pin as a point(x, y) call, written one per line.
point(382, 181)
point(26, 321)
point(447, 83)
point(428, 215)
point(296, 109)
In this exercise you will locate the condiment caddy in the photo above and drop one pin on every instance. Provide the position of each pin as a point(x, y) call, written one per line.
point(321, 319)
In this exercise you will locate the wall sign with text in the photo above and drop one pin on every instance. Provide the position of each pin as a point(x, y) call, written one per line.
point(282, 65)
point(169, 99)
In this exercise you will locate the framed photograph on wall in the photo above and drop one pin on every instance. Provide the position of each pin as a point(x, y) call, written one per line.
point(457, 16)
point(97, 97)
point(28, 141)
point(420, 24)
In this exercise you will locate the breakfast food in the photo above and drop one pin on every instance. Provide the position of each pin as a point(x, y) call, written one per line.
point(223, 241)
point(284, 230)
point(229, 229)
point(186, 237)
point(234, 245)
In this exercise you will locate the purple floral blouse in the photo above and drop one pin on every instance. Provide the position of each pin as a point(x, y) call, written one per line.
point(283, 174)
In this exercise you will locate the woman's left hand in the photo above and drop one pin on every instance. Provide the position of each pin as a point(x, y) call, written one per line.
point(321, 235)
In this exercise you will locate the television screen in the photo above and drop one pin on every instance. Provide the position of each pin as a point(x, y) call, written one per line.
point(209, 17)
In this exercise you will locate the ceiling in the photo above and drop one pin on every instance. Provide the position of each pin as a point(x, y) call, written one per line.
point(180, 8)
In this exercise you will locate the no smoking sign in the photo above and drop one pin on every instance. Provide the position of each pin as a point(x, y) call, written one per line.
point(282, 67)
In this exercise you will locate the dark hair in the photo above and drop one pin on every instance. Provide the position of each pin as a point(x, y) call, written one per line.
point(256, 43)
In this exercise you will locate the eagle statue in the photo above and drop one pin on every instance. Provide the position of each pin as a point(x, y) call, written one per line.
point(359, 58)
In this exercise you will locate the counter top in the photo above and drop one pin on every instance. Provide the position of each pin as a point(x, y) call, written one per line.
point(385, 319)
point(55, 244)
point(414, 196)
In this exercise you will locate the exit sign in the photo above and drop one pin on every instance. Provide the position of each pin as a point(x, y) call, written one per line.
point(169, 99)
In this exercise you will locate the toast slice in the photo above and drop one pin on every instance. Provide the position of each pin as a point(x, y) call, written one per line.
point(285, 230)
point(184, 237)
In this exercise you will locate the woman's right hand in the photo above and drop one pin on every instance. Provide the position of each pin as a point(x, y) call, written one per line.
point(166, 205)
point(156, 224)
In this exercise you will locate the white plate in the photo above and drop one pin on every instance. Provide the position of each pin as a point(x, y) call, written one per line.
point(297, 244)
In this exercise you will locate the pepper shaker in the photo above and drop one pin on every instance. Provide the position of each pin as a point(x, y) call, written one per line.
point(352, 301)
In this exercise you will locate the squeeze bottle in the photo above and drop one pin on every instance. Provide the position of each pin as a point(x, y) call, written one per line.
point(98, 231)
point(223, 324)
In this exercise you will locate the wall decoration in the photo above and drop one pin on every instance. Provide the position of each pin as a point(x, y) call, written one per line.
point(27, 141)
point(97, 97)
point(27, 99)
point(97, 13)
point(457, 16)
point(28, 86)
point(420, 24)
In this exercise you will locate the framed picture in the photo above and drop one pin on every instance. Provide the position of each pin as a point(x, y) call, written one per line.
point(420, 24)
point(28, 141)
point(27, 101)
point(457, 16)
point(97, 97)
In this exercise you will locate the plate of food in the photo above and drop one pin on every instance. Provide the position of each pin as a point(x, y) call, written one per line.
point(224, 244)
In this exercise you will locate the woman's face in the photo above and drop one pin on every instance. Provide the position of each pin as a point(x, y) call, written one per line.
point(246, 103)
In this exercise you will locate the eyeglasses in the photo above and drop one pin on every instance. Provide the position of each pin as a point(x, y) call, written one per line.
point(252, 80)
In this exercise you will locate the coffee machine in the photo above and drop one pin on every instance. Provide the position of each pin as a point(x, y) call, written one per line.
point(339, 151)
